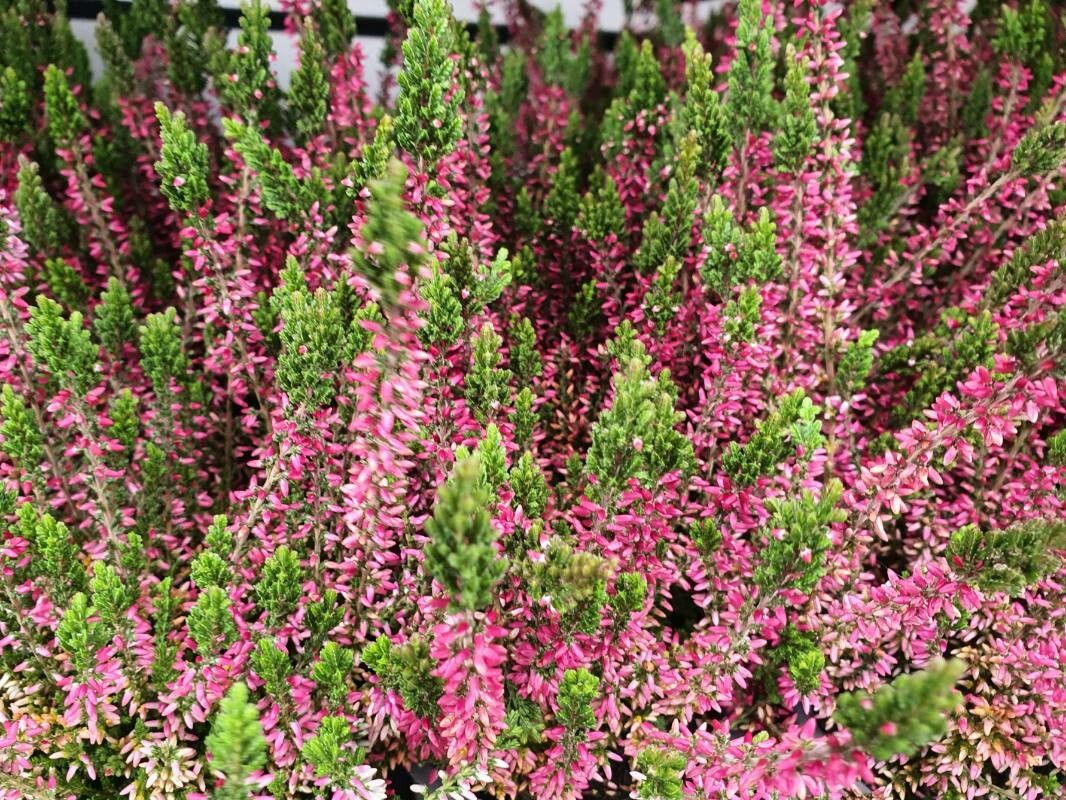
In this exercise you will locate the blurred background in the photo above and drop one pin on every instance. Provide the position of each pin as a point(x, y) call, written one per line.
point(611, 18)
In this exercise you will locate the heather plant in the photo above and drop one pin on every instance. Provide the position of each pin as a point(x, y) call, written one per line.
point(672, 415)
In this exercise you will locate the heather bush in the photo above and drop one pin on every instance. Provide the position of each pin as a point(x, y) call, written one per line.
point(679, 415)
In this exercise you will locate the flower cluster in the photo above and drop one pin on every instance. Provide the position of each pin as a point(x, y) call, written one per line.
point(679, 415)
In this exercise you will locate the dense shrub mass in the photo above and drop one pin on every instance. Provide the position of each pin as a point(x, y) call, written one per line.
point(676, 416)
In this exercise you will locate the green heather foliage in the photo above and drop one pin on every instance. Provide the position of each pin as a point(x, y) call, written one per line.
point(662, 774)
point(703, 111)
point(309, 93)
point(427, 125)
point(182, 166)
point(856, 362)
point(669, 234)
point(793, 553)
point(280, 583)
point(793, 142)
point(407, 670)
point(113, 319)
point(283, 193)
point(336, 25)
point(14, 105)
point(211, 623)
point(942, 356)
point(65, 119)
point(493, 458)
point(236, 744)
point(243, 76)
point(486, 386)
point(904, 715)
point(272, 666)
point(461, 551)
point(43, 224)
point(392, 228)
point(774, 439)
point(636, 436)
point(750, 103)
point(529, 485)
point(23, 440)
point(577, 691)
point(1009, 560)
point(62, 344)
point(332, 669)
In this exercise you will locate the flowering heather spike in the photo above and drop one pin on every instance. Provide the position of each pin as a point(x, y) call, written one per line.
point(428, 120)
point(236, 744)
point(904, 715)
